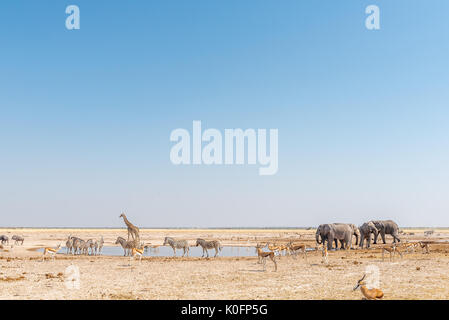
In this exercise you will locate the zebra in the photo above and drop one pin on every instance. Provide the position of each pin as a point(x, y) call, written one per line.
point(100, 245)
point(17, 239)
point(214, 244)
point(126, 245)
point(4, 239)
point(177, 244)
point(85, 247)
point(93, 245)
point(78, 245)
point(69, 244)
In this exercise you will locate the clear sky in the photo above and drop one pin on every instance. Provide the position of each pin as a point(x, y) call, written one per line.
point(86, 115)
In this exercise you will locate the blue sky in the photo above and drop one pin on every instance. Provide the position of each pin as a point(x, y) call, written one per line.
point(86, 115)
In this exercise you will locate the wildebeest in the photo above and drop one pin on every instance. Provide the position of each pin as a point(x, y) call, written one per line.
point(4, 239)
point(17, 239)
point(214, 244)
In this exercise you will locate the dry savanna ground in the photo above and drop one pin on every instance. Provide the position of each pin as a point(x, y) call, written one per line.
point(23, 274)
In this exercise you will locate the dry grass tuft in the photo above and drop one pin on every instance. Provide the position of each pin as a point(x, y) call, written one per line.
point(10, 279)
point(52, 276)
point(123, 296)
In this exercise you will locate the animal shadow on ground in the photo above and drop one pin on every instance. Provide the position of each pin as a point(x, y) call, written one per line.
point(252, 270)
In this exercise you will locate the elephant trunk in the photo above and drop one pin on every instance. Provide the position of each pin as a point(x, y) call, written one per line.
point(317, 237)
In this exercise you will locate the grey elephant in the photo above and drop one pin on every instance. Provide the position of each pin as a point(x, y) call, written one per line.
point(355, 233)
point(334, 232)
point(387, 227)
point(365, 233)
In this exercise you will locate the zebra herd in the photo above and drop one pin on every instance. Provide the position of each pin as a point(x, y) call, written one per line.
point(79, 246)
point(174, 244)
point(183, 244)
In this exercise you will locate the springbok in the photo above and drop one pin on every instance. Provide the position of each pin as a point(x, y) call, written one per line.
point(324, 255)
point(136, 252)
point(295, 248)
point(391, 250)
point(424, 245)
point(263, 255)
point(275, 248)
point(409, 246)
point(370, 294)
point(51, 251)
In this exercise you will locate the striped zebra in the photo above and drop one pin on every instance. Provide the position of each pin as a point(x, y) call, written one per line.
point(78, 245)
point(100, 245)
point(126, 245)
point(69, 244)
point(177, 244)
point(214, 244)
point(86, 246)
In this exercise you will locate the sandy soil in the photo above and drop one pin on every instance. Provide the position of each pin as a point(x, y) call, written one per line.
point(23, 274)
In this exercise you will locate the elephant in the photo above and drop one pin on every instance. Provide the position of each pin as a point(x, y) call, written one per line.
point(355, 233)
point(365, 233)
point(334, 232)
point(387, 227)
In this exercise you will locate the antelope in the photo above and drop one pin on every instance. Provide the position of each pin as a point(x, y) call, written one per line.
point(410, 246)
point(284, 248)
point(424, 245)
point(392, 250)
point(297, 247)
point(136, 252)
point(275, 248)
point(324, 255)
point(263, 255)
point(370, 294)
point(51, 251)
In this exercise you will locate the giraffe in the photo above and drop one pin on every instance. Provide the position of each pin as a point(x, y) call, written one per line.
point(132, 229)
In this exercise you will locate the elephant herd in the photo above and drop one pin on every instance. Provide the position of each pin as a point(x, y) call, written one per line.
point(343, 232)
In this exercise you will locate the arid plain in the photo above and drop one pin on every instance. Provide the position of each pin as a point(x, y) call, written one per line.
point(23, 274)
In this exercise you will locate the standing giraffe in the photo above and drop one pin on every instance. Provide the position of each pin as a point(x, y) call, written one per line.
point(132, 229)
